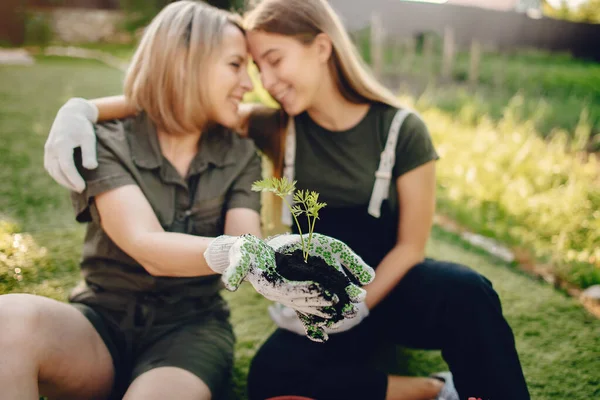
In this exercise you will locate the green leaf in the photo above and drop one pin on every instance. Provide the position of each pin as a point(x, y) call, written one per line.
point(280, 186)
point(313, 211)
point(301, 196)
point(297, 211)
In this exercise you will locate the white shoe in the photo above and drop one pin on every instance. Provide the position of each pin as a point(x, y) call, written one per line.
point(448, 391)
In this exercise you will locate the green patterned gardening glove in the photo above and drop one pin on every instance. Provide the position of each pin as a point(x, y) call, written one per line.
point(294, 321)
point(246, 257)
point(344, 263)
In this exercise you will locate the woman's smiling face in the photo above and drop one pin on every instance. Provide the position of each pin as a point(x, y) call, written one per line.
point(290, 71)
point(229, 79)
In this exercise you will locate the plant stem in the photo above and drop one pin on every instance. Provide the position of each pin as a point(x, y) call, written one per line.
point(311, 228)
point(298, 225)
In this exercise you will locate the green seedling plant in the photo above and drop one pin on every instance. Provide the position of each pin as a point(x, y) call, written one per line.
point(305, 202)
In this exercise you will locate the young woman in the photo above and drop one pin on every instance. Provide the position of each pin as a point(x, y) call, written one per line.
point(344, 135)
point(148, 321)
point(373, 163)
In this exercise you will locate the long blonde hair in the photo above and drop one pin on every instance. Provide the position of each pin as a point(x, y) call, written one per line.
point(168, 73)
point(304, 20)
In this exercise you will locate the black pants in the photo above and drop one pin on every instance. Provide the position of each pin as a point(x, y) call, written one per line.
point(437, 305)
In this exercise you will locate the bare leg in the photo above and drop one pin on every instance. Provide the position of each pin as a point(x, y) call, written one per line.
point(411, 388)
point(50, 348)
point(167, 383)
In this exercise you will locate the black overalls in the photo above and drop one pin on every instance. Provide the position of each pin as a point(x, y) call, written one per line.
point(436, 305)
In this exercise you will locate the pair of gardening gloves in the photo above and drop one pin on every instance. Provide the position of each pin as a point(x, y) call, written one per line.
point(303, 307)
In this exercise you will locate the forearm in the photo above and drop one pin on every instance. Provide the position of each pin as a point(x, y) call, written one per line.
point(390, 271)
point(113, 107)
point(172, 254)
point(131, 223)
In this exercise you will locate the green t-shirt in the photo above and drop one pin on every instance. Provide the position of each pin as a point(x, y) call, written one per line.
point(341, 165)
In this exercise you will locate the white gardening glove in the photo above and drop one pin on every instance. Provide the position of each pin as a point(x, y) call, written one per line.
point(293, 321)
point(247, 257)
point(339, 256)
point(73, 127)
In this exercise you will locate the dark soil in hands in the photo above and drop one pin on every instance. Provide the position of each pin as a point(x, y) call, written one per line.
point(293, 267)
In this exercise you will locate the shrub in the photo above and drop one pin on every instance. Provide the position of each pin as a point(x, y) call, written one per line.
point(19, 257)
point(503, 180)
point(38, 29)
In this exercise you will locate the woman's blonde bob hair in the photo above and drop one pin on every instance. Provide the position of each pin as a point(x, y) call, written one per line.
point(169, 71)
point(304, 20)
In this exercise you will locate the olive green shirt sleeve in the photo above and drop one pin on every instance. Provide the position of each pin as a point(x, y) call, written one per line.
point(414, 147)
point(240, 194)
point(111, 172)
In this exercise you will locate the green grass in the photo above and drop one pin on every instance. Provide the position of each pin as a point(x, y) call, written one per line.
point(548, 112)
point(122, 51)
point(557, 87)
point(558, 341)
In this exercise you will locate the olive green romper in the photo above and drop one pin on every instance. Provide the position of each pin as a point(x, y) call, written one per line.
point(148, 321)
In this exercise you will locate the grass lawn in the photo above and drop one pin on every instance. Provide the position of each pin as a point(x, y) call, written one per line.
point(559, 91)
point(558, 341)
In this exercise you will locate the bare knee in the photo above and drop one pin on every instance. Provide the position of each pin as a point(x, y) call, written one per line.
point(20, 318)
point(168, 382)
point(38, 337)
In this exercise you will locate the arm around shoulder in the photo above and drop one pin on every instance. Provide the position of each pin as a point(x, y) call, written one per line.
point(113, 107)
point(73, 128)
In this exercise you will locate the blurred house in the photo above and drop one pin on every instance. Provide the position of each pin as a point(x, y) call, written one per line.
point(12, 28)
point(532, 7)
point(69, 20)
point(93, 4)
point(501, 5)
point(498, 24)
point(502, 24)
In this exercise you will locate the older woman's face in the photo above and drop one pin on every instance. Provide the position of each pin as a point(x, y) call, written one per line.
point(290, 71)
point(228, 78)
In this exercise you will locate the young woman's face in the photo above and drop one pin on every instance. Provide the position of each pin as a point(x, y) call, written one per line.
point(290, 71)
point(228, 78)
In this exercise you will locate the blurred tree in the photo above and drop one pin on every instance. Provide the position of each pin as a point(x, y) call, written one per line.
point(140, 12)
point(588, 11)
point(227, 4)
point(561, 12)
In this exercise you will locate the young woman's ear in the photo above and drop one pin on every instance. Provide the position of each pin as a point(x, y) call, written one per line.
point(323, 47)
